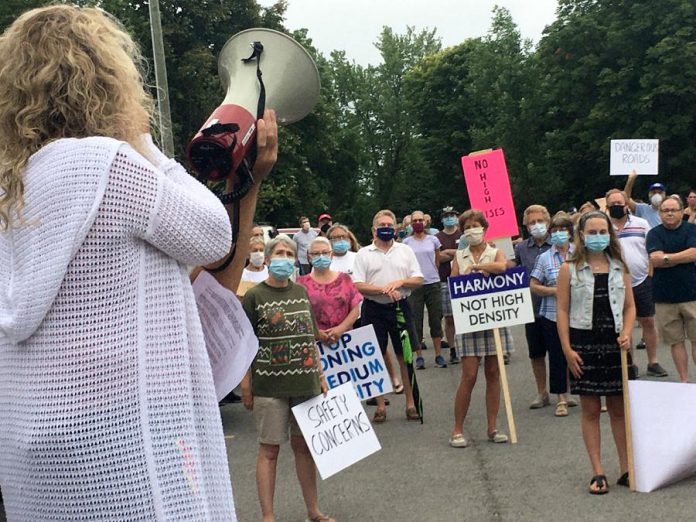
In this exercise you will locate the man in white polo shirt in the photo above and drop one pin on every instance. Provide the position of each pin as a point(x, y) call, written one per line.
point(632, 232)
point(385, 272)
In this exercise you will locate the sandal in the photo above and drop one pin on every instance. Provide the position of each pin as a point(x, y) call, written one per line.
point(398, 388)
point(623, 480)
point(320, 518)
point(497, 437)
point(412, 414)
point(379, 417)
point(601, 482)
point(561, 409)
point(458, 441)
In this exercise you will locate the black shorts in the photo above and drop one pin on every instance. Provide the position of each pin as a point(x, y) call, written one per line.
point(382, 317)
point(536, 341)
point(643, 296)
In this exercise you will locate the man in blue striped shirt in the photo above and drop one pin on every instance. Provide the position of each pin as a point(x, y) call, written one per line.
point(632, 232)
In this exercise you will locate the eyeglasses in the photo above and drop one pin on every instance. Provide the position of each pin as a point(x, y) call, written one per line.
point(323, 253)
point(670, 210)
point(338, 237)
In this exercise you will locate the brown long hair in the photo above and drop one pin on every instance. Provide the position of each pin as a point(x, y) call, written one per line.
point(579, 255)
point(66, 72)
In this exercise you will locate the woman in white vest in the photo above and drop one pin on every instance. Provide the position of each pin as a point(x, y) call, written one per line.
point(595, 314)
point(479, 257)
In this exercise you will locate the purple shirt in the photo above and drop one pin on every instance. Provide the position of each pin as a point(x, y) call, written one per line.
point(425, 254)
point(331, 302)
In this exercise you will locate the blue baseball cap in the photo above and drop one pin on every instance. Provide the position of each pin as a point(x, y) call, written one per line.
point(658, 186)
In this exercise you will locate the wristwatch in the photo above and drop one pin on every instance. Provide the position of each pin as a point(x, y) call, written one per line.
point(666, 260)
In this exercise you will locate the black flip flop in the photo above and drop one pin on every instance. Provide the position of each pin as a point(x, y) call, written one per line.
point(601, 481)
point(623, 480)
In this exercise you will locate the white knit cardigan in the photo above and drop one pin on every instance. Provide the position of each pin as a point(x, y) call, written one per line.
point(107, 405)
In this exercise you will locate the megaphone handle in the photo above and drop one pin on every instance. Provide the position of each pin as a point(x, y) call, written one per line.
point(256, 54)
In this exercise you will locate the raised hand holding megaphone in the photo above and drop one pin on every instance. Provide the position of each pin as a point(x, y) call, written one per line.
point(259, 68)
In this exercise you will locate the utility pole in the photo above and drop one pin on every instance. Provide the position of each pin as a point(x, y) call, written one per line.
point(165, 117)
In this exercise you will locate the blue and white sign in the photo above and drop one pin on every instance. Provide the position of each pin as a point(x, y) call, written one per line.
point(482, 302)
point(355, 357)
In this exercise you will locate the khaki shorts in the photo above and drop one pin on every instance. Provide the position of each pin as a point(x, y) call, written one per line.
point(274, 418)
point(676, 321)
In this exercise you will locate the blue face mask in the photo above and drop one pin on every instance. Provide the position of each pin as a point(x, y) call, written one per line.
point(449, 221)
point(321, 262)
point(385, 233)
point(340, 246)
point(281, 268)
point(463, 243)
point(560, 237)
point(596, 242)
point(409, 230)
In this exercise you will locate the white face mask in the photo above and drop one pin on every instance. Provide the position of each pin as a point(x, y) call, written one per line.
point(474, 235)
point(538, 230)
point(656, 199)
point(256, 258)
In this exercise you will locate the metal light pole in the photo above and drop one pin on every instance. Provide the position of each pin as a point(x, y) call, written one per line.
point(165, 117)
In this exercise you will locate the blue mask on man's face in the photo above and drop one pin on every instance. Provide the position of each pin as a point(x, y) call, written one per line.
point(385, 233)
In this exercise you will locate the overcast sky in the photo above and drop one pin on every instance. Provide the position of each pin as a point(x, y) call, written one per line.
point(354, 25)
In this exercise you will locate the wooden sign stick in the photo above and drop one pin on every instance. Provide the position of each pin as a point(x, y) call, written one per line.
point(504, 384)
point(627, 418)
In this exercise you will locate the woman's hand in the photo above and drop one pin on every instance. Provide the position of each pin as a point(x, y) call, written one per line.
point(333, 334)
point(574, 362)
point(266, 145)
point(624, 342)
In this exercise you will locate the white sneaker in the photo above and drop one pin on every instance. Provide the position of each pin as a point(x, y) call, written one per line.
point(541, 401)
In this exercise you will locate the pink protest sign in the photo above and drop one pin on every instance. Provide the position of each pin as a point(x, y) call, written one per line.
point(488, 185)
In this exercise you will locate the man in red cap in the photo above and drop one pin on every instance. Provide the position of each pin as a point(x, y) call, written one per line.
point(325, 223)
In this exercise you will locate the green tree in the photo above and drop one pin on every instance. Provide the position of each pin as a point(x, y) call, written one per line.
point(470, 97)
point(620, 69)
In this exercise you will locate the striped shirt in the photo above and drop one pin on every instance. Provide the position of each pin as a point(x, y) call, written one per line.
point(632, 239)
point(546, 271)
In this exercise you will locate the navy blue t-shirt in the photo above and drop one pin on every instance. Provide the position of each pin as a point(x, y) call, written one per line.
point(676, 284)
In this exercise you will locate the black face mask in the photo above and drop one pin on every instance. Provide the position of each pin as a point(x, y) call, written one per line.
point(617, 211)
point(325, 227)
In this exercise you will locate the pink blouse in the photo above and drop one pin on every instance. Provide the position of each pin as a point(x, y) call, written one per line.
point(331, 302)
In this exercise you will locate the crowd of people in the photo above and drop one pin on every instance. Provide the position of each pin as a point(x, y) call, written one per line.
point(592, 273)
point(106, 390)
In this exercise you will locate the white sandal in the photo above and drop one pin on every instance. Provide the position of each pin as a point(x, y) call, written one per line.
point(458, 441)
point(561, 409)
point(497, 437)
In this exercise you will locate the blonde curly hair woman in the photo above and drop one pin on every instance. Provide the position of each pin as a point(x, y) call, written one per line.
point(108, 405)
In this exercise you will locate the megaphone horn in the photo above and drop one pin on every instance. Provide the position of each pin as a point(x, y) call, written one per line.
point(279, 74)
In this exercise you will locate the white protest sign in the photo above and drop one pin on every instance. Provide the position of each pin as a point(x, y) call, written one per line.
point(483, 302)
point(336, 429)
point(229, 336)
point(640, 156)
point(356, 358)
point(504, 244)
point(663, 422)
